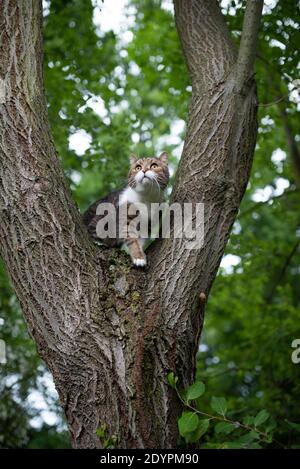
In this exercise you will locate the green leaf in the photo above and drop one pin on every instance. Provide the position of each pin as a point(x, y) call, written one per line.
point(210, 445)
point(261, 417)
point(232, 445)
point(256, 446)
point(248, 420)
point(200, 431)
point(219, 405)
point(249, 437)
point(224, 427)
point(172, 379)
point(187, 423)
point(270, 426)
point(295, 426)
point(202, 427)
point(195, 390)
point(101, 431)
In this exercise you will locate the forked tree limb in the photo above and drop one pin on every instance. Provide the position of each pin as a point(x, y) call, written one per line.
point(109, 333)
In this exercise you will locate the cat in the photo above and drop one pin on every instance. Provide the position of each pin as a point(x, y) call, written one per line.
point(147, 180)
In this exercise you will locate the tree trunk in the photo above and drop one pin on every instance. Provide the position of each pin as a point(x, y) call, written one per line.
point(108, 332)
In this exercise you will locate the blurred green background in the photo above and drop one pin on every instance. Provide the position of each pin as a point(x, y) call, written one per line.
point(116, 82)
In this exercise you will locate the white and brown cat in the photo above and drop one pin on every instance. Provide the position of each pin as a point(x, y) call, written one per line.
point(147, 179)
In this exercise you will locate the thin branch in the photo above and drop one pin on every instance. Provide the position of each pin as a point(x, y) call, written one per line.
point(276, 69)
point(257, 205)
point(247, 50)
point(283, 270)
point(291, 142)
point(279, 99)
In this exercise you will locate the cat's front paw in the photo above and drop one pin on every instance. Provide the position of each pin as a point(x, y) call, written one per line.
point(139, 262)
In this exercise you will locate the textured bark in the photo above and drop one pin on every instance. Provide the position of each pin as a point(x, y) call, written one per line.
point(108, 332)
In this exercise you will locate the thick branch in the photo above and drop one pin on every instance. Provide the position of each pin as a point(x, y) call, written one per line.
point(214, 169)
point(247, 49)
point(206, 42)
point(63, 282)
point(83, 305)
point(40, 226)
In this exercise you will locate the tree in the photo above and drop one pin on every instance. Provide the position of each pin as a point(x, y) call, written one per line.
point(108, 333)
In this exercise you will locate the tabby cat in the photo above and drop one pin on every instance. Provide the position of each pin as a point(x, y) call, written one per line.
point(147, 180)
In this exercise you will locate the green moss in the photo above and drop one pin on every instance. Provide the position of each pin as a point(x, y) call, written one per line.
point(135, 301)
point(135, 296)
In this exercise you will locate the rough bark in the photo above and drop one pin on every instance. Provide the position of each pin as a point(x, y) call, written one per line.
point(110, 333)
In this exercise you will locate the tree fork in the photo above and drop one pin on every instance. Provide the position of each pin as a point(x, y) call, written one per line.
point(109, 333)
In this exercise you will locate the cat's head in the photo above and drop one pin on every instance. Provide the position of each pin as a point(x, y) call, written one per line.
point(149, 172)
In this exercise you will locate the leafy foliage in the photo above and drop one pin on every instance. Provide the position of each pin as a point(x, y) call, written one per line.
point(133, 96)
point(215, 428)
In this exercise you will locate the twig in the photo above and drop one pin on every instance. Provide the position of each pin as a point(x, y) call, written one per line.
point(260, 204)
point(278, 100)
point(283, 270)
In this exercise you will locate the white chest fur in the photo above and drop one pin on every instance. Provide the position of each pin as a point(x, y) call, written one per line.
point(148, 198)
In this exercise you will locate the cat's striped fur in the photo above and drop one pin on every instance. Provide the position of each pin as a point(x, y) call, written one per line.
point(147, 180)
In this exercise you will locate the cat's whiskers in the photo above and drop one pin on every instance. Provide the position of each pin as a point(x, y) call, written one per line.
point(154, 179)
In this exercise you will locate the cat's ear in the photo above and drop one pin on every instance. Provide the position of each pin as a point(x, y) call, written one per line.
point(132, 159)
point(163, 157)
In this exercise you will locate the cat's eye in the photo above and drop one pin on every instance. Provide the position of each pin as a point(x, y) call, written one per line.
point(154, 165)
point(138, 167)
